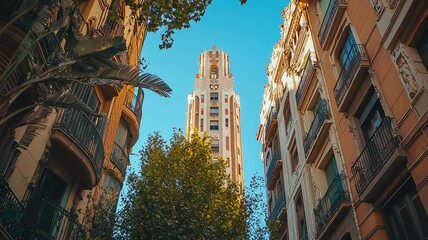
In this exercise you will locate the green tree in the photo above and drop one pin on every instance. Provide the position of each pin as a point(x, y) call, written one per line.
point(181, 193)
point(168, 15)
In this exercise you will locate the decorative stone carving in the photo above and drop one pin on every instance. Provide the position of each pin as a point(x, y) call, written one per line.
point(407, 72)
point(378, 7)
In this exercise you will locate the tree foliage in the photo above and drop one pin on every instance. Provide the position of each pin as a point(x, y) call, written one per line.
point(181, 193)
point(169, 15)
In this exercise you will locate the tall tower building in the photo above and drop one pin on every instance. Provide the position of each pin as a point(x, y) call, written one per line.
point(214, 107)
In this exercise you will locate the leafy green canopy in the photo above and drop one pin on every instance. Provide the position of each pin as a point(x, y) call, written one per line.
point(169, 15)
point(181, 193)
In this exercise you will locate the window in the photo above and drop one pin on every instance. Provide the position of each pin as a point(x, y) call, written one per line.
point(202, 98)
point(324, 5)
point(227, 143)
point(371, 115)
point(405, 215)
point(422, 47)
point(331, 170)
point(239, 169)
point(213, 86)
point(227, 122)
point(215, 146)
point(348, 52)
point(214, 72)
point(122, 134)
point(287, 117)
point(301, 219)
point(214, 111)
point(226, 111)
point(202, 124)
point(226, 98)
point(214, 125)
point(294, 157)
point(213, 96)
point(202, 111)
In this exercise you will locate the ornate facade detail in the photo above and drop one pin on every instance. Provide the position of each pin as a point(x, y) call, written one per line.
point(378, 7)
point(407, 72)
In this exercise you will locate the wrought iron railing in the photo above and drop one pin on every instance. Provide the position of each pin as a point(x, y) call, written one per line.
point(11, 211)
point(279, 205)
point(85, 131)
point(377, 151)
point(275, 157)
point(111, 26)
point(272, 117)
point(330, 202)
point(119, 158)
point(305, 80)
point(8, 147)
point(135, 102)
point(321, 115)
point(356, 55)
point(45, 219)
point(327, 22)
point(86, 94)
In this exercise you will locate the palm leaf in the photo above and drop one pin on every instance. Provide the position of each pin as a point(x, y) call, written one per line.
point(35, 121)
point(68, 100)
point(155, 84)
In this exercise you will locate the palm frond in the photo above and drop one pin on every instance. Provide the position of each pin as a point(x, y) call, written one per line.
point(36, 121)
point(155, 84)
point(68, 100)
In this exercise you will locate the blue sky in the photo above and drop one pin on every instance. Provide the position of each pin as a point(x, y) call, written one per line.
point(247, 33)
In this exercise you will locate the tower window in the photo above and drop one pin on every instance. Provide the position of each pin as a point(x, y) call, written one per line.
point(214, 72)
point(214, 96)
point(214, 125)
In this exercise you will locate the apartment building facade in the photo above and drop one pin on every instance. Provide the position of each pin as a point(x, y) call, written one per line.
point(361, 108)
point(214, 108)
point(309, 166)
point(50, 185)
point(373, 56)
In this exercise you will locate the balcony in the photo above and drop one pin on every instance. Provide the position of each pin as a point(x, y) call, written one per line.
point(332, 16)
point(134, 102)
point(274, 169)
point(45, 219)
point(11, 213)
point(271, 125)
point(331, 205)
point(278, 207)
point(378, 163)
point(305, 81)
point(351, 76)
point(119, 158)
point(318, 130)
point(85, 133)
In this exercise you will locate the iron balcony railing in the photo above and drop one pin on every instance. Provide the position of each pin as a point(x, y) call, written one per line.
point(8, 149)
point(45, 219)
point(275, 157)
point(135, 102)
point(377, 151)
point(279, 205)
point(119, 158)
point(327, 22)
point(321, 115)
point(86, 133)
point(356, 55)
point(330, 202)
point(272, 117)
point(305, 80)
point(11, 211)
